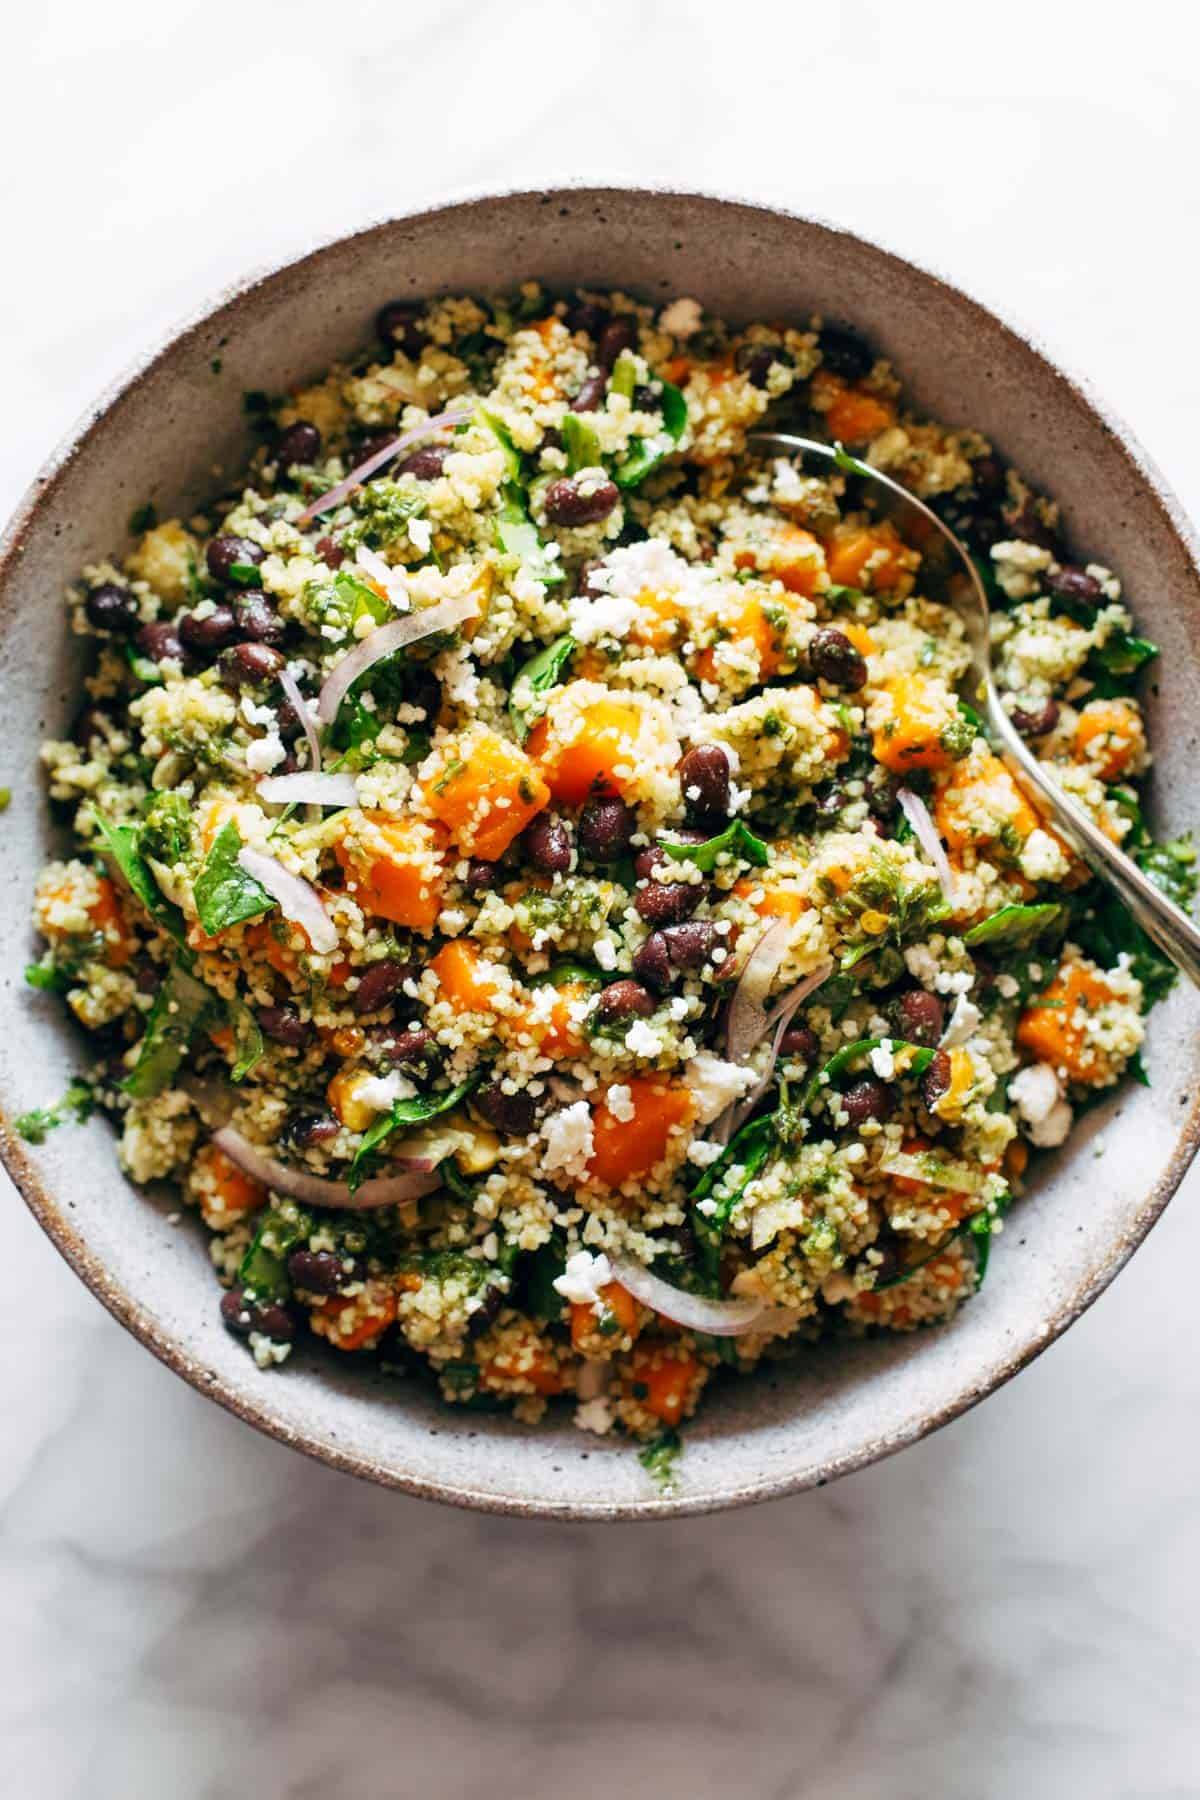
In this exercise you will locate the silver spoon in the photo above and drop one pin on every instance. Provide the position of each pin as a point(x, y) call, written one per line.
point(1162, 921)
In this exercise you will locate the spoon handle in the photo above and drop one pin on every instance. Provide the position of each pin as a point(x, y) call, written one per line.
point(1162, 921)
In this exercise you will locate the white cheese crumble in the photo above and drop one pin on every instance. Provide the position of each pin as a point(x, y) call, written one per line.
point(716, 1084)
point(380, 1092)
point(882, 1060)
point(265, 753)
point(567, 1136)
point(964, 1023)
point(420, 535)
point(582, 1279)
point(619, 1101)
point(1037, 1097)
point(682, 318)
point(642, 1040)
point(595, 1415)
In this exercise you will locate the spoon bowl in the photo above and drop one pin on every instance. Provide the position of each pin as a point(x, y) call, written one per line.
point(953, 577)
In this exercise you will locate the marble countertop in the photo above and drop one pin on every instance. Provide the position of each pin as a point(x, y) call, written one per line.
point(1006, 1609)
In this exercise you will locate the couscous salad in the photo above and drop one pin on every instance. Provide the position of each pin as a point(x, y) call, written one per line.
point(535, 887)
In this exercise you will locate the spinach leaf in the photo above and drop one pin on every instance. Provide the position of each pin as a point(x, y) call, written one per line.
point(225, 894)
point(559, 974)
point(724, 1182)
point(1115, 664)
point(541, 673)
point(540, 1270)
point(1015, 927)
point(263, 1269)
point(660, 1459)
point(513, 467)
point(646, 454)
point(416, 1111)
point(917, 1058)
point(76, 1105)
point(247, 1038)
point(180, 1005)
point(123, 843)
point(353, 600)
point(736, 840)
point(580, 443)
point(49, 977)
point(517, 536)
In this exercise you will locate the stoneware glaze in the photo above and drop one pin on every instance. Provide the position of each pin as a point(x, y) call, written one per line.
point(169, 430)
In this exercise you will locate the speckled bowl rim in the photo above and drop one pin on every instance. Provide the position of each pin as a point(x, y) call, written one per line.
point(166, 1346)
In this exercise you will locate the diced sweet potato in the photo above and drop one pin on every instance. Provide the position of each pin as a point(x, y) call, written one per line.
point(1054, 1027)
point(761, 629)
point(626, 1148)
point(602, 743)
point(792, 554)
point(912, 738)
point(397, 871)
point(465, 979)
point(559, 1037)
point(867, 556)
point(671, 1376)
point(1108, 736)
point(981, 804)
point(225, 1193)
point(355, 1323)
point(588, 1334)
point(853, 415)
point(485, 792)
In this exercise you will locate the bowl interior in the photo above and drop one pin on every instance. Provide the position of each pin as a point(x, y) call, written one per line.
point(171, 432)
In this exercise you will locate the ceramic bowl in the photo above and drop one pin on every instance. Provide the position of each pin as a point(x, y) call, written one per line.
point(161, 434)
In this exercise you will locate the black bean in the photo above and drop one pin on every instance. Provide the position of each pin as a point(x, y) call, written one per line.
point(485, 1314)
point(800, 1042)
point(161, 642)
point(247, 664)
point(590, 397)
point(284, 1024)
point(224, 553)
point(377, 984)
point(605, 828)
point(652, 965)
point(290, 724)
point(920, 1017)
point(647, 860)
point(867, 1098)
point(369, 447)
point(112, 608)
point(1026, 525)
point(321, 1271)
point(396, 323)
point(645, 400)
point(618, 335)
point(304, 1129)
point(587, 316)
point(569, 502)
point(757, 360)
point(209, 631)
point(844, 353)
point(512, 1114)
point(691, 944)
point(300, 443)
point(423, 689)
point(547, 844)
point(937, 1079)
point(1072, 583)
point(704, 778)
point(1036, 721)
point(552, 439)
point(412, 1048)
point(482, 876)
point(668, 902)
point(425, 464)
point(257, 618)
point(835, 660)
point(881, 788)
point(625, 1000)
point(242, 1316)
point(330, 553)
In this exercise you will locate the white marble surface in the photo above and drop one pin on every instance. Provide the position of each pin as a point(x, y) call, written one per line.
point(1009, 1609)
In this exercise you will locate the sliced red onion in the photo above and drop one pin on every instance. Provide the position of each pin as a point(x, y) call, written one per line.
point(781, 1017)
point(380, 459)
point(410, 1182)
point(383, 641)
point(747, 1023)
point(926, 834)
point(309, 788)
point(299, 705)
point(297, 900)
point(719, 1318)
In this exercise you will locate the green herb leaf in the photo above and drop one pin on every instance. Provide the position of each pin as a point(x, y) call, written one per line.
point(580, 443)
point(1114, 665)
point(513, 467)
point(849, 465)
point(244, 574)
point(263, 1269)
point(560, 974)
point(353, 600)
point(744, 1157)
point(48, 977)
point(517, 536)
point(646, 454)
point(225, 895)
point(660, 1459)
point(917, 1058)
point(76, 1105)
point(143, 518)
point(1015, 927)
point(541, 673)
point(179, 1006)
point(124, 845)
point(737, 840)
point(416, 1111)
point(247, 1038)
point(539, 1271)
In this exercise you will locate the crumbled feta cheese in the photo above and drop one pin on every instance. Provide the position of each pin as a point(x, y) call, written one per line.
point(265, 753)
point(882, 1060)
point(568, 1139)
point(703, 1152)
point(1038, 1099)
point(682, 318)
point(605, 953)
point(1007, 986)
point(619, 1101)
point(380, 1092)
point(606, 616)
point(595, 1415)
point(642, 1040)
point(716, 1084)
point(964, 1023)
point(420, 535)
point(582, 1279)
